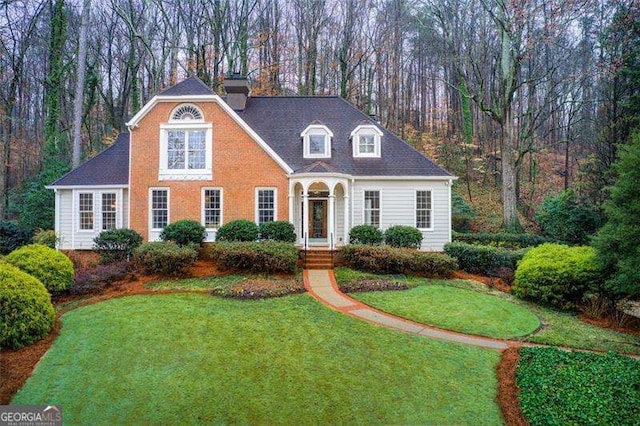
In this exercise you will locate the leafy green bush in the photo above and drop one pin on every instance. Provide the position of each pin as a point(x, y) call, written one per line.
point(556, 274)
point(115, 245)
point(565, 218)
point(368, 235)
point(165, 258)
point(261, 257)
point(403, 237)
point(485, 260)
point(26, 312)
point(46, 238)
point(53, 268)
point(279, 230)
point(12, 237)
point(238, 230)
point(462, 213)
point(579, 388)
point(385, 259)
point(502, 240)
point(184, 232)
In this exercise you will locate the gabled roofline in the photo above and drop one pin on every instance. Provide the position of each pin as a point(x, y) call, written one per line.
point(131, 124)
point(119, 186)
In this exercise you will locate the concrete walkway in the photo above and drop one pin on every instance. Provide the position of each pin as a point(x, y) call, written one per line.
point(321, 284)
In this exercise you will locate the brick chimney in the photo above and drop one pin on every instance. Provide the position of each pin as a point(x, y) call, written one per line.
point(237, 88)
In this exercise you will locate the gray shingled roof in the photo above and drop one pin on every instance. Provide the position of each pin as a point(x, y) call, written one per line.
point(110, 167)
point(189, 87)
point(280, 120)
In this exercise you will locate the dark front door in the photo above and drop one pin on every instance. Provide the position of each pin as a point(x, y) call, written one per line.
point(318, 218)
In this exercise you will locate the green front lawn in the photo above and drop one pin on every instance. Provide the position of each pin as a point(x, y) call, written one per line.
point(209, 283)
point(194, 359)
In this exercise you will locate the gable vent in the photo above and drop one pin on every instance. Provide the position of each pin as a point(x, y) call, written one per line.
point(187, 112)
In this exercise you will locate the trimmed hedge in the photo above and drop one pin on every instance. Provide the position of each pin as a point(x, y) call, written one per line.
point(115, 245)
point(578, 388)
point(165, 258)
point(485, 260)
point(27, 314)
point(53, 268)
point(261, 257)
point(184, 232)
point(279, 230)
point(503, 240)
point(238, 230)
point(391, 260)
point(403, 236)
point(366, 234)
point(12, 237)
point(557, 275)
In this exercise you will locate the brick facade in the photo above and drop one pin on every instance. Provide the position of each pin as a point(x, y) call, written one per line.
point(240, 165)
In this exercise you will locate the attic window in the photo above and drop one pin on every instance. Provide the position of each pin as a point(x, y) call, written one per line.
point(366, 140)
point(186, 112)
point(317, 141)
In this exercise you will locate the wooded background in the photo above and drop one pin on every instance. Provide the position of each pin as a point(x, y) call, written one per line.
point(525, 96)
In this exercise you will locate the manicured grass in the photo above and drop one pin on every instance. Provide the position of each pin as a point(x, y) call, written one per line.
point(348, 275)
point(456, 309)
point(194, 359)
point(558, 387)
point(197, 283)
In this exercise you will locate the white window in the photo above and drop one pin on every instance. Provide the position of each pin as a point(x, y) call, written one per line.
point(109, 209)
point(372, 208)
point(266, 205)
point(423, 210)
point(186, 145)
point(85, 209)
point(366, 140)
point(317, 141)
point(159, 208)
point(211, 208)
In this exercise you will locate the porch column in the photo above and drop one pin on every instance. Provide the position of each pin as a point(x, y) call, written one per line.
point(291, 200)
point(305, 218)
point(331, 224)
point(345, 238)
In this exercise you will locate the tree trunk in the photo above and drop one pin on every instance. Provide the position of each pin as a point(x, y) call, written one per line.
point(510, 222)
point(79, 92)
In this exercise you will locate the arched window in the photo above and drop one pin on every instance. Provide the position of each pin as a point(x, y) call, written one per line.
point(186, 112)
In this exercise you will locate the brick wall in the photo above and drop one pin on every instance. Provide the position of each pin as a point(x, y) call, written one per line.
point(239, 166)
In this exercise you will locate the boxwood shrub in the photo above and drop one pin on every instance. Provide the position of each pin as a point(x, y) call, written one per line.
point(26, 313)
point(403, 236)
point(557, 275)
point(53, 268)
point(184, 232)
point(485, 260)
point(165, 258)
point(238, 230)
point(366, 234)
point(391, 260)
point(279, 230)
point(115, 245)
point(260, 257)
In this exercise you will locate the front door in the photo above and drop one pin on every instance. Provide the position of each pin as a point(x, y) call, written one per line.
point(318, 218)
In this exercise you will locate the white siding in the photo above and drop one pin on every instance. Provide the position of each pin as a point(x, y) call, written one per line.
point(64, 219)
point(397, 207)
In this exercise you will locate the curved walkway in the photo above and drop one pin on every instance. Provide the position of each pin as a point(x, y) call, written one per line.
point(321, 284)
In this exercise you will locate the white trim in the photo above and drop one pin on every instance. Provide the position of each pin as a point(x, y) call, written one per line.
point(430, 178)
point(131, 124)
point(450, 209)
point(165, 173)
point(415, 209)
point(151, 230)
point(82, 187)
point(316, 130)
point(202, 216)
point(364, 221)
point(366, 130)
point(275, 202)
point(117, 212)
point(93, 212)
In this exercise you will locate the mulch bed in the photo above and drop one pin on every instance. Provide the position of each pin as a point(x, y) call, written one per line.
point(508, 389)
point(492, 282)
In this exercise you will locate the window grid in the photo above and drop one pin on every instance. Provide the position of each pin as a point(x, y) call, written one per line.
point(85, 207)
point(372, 208)
point(423, 209)
point(159, 208)
point(367, 144)
point(317, 144)
point(266, 205)
point(189, 145)
point(108, 211)
point(212, 208)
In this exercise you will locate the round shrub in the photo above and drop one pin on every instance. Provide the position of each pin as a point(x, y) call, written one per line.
point(238, 230)
point(165, 258)
point(12, 237)
point(184, 232)
point(556, 275)
point(366, 235)
point(114, 245)
point(279, 230)
point(53, 268)
point(26, 313)
point(403, 236)
point(46, 238)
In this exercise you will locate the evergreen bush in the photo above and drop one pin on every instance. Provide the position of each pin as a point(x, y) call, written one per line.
point(184, 232)
point(402, 236)
point(367, 235)
point(238, 230)
point(115, 245)
point(46, 238)
point(261, 257)
point(279, 230)
point(12, 237)
point(165, 258)
point(53, 268)
point(567, 219)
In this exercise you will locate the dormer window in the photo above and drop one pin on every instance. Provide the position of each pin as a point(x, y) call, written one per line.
point(317, 141)
point(366, 141)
